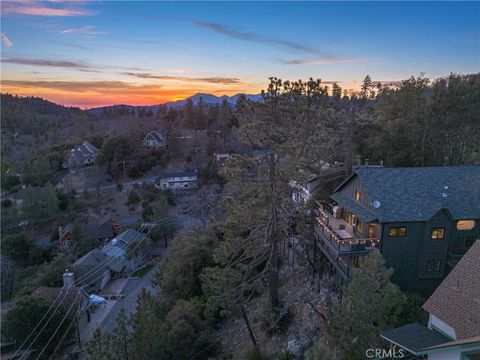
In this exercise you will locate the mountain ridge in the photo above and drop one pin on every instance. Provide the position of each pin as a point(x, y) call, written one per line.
point(208, 99)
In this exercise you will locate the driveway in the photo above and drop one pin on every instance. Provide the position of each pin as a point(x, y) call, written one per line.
point(132, 288)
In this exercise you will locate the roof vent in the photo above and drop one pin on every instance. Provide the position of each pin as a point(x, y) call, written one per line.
point(376, 204)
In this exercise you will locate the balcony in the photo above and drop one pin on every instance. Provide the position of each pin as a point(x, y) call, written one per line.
point(339, 236)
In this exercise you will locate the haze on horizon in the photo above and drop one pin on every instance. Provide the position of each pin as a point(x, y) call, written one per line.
point(91, 54)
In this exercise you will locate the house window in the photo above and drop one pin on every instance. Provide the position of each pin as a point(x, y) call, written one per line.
point(465, 224)
point(397, 231)
point(358, 195)
point(437, 233)
point(433, 265)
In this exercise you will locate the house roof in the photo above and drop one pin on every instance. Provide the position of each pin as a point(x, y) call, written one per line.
point(362, 213)
point(178, 174)
point(416, 193)
point(97, 232)
point(106, 218)
point(457, 300)
point(95, 263)
point(118, 246)
point(414, 337)
point(78, 154)
point(475, 340)
point(92, 258)
point(158, 135)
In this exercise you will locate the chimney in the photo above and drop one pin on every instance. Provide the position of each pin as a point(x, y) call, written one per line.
point(381, 163)
point(68, 279)
point(366, 162)
point(359, 160)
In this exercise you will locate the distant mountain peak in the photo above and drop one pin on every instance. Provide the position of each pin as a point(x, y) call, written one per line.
point(213, 99)
point(208, 99)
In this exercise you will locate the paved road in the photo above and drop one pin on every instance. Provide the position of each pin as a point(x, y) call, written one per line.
point(129, 302)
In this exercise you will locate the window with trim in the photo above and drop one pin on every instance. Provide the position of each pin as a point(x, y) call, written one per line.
point(397, 231)
point(437, 233)
point(358, 195)
point(434, 265)
point(465, 224)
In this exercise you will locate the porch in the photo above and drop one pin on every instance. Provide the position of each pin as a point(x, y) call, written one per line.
point(341, 236)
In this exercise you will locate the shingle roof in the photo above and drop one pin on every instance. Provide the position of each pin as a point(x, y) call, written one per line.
point(457, 300)
point(416, 193)
point(414, 337)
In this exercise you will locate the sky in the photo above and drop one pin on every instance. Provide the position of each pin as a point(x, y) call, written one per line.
point(96, 53)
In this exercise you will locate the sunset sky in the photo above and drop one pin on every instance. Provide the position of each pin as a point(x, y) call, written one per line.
point(90, 54)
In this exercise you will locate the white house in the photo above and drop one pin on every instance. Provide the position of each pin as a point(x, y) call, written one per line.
point(178, 181)
point(155, 140)
point(453, 330)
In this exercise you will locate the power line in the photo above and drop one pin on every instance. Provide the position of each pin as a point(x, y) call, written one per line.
point(59, 326)
point(86, 275)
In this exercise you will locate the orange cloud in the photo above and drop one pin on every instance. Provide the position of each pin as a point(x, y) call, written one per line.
point(87, 94)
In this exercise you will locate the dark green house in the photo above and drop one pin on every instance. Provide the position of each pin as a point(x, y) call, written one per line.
point(421, 219)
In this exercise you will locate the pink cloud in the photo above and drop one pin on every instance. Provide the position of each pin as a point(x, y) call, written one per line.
point(35, 8)
point(6, 41)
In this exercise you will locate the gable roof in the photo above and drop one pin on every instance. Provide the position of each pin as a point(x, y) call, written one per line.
point(106, 218)
point(158, 135)
point(415, 193)
point(118, 246)
point(96, 263)
point(457, 300)
point(85, 150)
point(86, 147)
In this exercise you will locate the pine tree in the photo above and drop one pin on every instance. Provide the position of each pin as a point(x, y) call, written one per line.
point(292, 124)
point(371, 303)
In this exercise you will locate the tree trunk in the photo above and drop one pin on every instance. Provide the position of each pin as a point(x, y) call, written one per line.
point(273, 276)
point(273, 238)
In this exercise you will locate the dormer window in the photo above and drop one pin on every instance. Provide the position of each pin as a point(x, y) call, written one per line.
point(358, 195)
point(465, 225)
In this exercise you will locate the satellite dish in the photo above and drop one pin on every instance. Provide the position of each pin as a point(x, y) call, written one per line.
point(376, 204)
